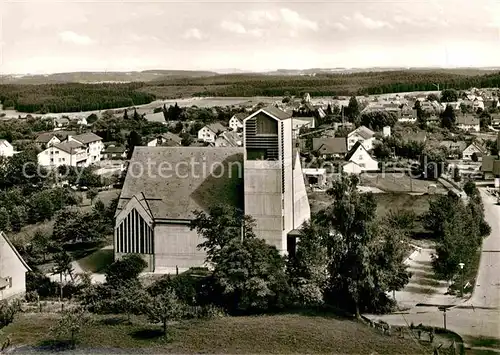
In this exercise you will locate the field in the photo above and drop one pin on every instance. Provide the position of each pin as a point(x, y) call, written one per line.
point(259, 334)
point(398, 182)
point(396, 202)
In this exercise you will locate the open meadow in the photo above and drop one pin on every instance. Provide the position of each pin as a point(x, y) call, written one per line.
point(276, 334)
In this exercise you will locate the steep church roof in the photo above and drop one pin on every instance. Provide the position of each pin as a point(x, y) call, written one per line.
point(176, 181)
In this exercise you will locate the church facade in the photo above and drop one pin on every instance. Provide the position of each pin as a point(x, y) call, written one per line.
point(165, 185)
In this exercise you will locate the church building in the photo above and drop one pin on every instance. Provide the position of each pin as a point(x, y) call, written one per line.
point(165, 185)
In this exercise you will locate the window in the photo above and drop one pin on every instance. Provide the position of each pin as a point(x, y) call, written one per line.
point(10, 281)
point(63, 159)
point(51, 160)
point(46, 152)
point(361, 165)
point(57, 152)
point(360, 157)
point(283, 221)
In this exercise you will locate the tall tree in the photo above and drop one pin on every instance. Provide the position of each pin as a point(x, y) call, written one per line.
point(134, 139)
point(348, 217)
point(125, 114)
point(355, 245)
point(449, 95)
point(4, 219)
point(448, 117)
point(352, 110)
point(220, 226)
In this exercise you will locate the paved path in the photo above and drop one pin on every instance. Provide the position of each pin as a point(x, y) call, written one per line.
point(480, 315)
point(423, 287)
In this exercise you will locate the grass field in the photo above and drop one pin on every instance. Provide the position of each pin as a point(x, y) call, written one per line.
point(385, 202)
point(398, 182)
point(97, 261)
point(401, 201)
point(258, 334)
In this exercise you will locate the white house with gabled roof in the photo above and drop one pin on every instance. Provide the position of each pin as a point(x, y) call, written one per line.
point(361, 134)
point(13, 270)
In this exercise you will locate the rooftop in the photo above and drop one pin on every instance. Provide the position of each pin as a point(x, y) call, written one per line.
point(68, 146)
point(87, 138)
point(184, 179)
point(330, 145)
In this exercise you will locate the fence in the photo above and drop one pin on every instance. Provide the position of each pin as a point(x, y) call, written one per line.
point(421, 334)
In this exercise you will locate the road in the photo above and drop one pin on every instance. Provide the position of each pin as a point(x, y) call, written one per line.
point(480, 315)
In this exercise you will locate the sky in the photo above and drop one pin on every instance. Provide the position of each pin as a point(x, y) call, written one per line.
point(59, 36)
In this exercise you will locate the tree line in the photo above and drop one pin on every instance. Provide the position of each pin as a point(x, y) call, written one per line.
point(72, 97)
point(459, 227)
point(367, 83)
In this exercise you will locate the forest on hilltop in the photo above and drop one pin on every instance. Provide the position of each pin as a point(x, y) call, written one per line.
point(74, 97)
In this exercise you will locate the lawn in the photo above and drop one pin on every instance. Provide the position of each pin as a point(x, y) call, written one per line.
point(398, 182)
point(97, 261)
point(385, 202)
point(291, 333)
point(401, 201)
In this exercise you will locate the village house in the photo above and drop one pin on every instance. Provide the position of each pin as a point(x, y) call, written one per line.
point(236, 122)
point(6, 149)
point(358, 160)
point(315, 177)
point(155, 117)
point(468, 123)
point(93, 143)
point(228, 139)
point(13, 270)
point(114, 152)
point(168, 139)
point(264, 178)
point(472, 149)
point(408, 115)
point(490, 167)
point(46, 140)
point(454, 149)
point(433, 120)
point(210, 132)
point(70, 153)
point(361, 134)
point(299, 122)
point(61, 122)
point(330, 147)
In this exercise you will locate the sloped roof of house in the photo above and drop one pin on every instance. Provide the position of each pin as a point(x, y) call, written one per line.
point(232, 138)
point(336, 145)
point(353, 150)
point(45, 137)
point(240, 116)
point(68, 146)
point(5, 143)
point(9, 243)
point(363, 131)
point(450, 145)
point(276, 112)
point(116, 149)
point(87, 138)
point(171, 136)
point(216, 127)
point(191, 178)
point(467, 120)
point(487, 163)
point(155, 117)
point(478, 146)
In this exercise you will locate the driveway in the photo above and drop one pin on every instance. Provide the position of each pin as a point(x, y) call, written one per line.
point(480, 315)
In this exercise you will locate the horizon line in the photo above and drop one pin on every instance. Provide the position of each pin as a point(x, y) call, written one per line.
point(245, 71)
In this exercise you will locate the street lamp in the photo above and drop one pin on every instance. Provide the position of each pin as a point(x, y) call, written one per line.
point(461, 265)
